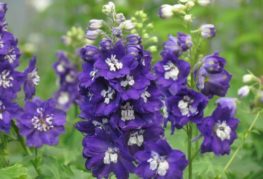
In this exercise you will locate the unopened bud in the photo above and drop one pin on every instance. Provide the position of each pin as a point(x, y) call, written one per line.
point(179, 8)
point(243, 91)
point(120, 18)
point(95, 24)
point(247, 78)
point(128, 25)
point(108, 8)
point(166, 11)
point(92, 34)
point(188, 18)
point(204, 2)
point(208, 30)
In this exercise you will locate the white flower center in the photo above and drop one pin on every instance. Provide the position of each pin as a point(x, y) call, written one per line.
point(145, 95)
point(42, 122)
point(222, 130)
point(158, 164)
point(108, 95)
point(93, 74)
point(127, 112)
point(70, 78)
point(60, 68)
point(113, 63)
point(1, 43)
point(171, 71)
point(185, 106)
point(11, 56)
point(111, 156)
point(2, 110)
point(63, 98)
point(33, 76)
point(100, 125)
point(128, 82)
point(136, 138)
point(6, 79)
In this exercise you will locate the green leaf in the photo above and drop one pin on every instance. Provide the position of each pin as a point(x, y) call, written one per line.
point(16, 171)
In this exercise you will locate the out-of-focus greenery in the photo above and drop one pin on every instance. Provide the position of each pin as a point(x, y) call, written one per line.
point(239, 39)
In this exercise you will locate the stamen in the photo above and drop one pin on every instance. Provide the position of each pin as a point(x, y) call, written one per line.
point(111, 155)
point(113, 63)
point(6, 79)
point(127, 112)
point(42, 122)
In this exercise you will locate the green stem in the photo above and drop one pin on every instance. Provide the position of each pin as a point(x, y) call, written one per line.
point(25, 148)
point(189, 150)
point(242, 142)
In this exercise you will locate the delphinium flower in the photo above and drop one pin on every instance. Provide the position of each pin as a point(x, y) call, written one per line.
point(67, 93)
point(219, 129)
point(41, 123)
point(211, 76)
point(158, 160)
point(120, 105)
point(10, 79)
point(31, 79)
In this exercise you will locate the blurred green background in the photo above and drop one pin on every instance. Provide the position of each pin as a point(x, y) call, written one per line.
point(39, 25)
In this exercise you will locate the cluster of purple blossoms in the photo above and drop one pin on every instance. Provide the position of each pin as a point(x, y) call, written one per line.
point(39, 121)
point(121, 115)
point(184, 105)
point(68, 81)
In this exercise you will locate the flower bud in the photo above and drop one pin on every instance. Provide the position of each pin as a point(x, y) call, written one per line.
point(243, 91)
point(120, 18)
point(247, 78)
point(95, 24)
point(152, 48)
point(128, 25)
point(208, 30)
point(108, 8)
point(179, 8)
point(190, 4)
point(204, 2)
point(92, 34)
point(117, 31)
point(166, 11)
point(188, 18)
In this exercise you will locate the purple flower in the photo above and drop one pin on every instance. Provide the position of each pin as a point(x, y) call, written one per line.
point(128, 116)
point(149, 100)
point(101, 98)
point(172, 73)
point(31, 79)
point(8, 110)
point(41, 123)
point(160, 161)
point(88, 75)
point(8, 49)
point(219, 130)
point(115, 63)
point(211, 77)
point(65, 97)
point(230, 103)
point(177, 45)
point(136, 138)
point(106, 154)
point(132, 85)
point(187, 105)
point(90, 53)
point(10, 80)
point(3, 9)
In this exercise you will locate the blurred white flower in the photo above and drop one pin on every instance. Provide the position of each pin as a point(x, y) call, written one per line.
point(108, 8)
point(127, 25)
point(166, 11)
point(95, 24)
point(188, 18)
point(247, 78)
point(40, 5)
point(204, 2)
point(179, 8)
